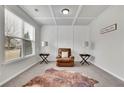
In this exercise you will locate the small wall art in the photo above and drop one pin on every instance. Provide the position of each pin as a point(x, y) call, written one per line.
point(109, 29)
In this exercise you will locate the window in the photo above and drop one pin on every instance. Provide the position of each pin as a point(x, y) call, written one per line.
point(28, 42)
point(19, 37)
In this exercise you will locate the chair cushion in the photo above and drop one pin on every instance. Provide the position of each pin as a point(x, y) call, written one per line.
point(64, 60)
point(64, 54)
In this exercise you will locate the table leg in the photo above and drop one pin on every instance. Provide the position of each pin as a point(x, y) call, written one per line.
point(81, 61)
point(43, 59)
point(84, 60)
point(46, 59)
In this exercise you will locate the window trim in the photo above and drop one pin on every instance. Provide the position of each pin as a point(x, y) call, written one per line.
point(18, 60)
point(20, 38)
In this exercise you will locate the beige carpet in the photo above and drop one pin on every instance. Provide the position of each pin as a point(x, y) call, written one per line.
point(105, 79)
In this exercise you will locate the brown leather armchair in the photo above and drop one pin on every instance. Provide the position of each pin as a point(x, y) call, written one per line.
point(65, 61)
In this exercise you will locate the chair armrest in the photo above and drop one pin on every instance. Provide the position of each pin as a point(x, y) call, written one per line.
point(58, 57)
point(72, 57)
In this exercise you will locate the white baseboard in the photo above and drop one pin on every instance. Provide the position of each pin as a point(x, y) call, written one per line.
point(10, 78)
point(110, 72)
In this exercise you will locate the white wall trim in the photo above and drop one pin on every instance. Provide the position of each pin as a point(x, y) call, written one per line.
point(10, 78)
point(74, 37)
point(18, 60)
point(109, 72)
point(57, 32)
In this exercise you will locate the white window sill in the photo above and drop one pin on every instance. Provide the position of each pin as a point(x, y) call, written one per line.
point(18, 60)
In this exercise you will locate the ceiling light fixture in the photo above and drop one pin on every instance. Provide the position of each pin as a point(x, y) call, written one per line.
point(65, 11)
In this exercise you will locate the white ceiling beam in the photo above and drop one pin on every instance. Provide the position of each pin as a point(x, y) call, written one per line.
point(52, 13)
point(77, 14)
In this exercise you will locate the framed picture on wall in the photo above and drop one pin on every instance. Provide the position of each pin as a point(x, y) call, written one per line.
point(109, 29)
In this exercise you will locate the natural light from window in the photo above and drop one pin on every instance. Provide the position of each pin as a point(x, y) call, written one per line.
point(19, 37)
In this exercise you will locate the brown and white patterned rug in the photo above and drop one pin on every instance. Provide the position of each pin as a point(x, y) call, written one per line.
point(60, 78)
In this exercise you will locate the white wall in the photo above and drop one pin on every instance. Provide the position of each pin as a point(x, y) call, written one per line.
point(65, 37)
point(49, 33)
point(8, 71)
point(81, 34)
point(109, 47)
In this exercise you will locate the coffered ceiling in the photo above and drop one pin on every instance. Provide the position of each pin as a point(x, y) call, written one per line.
point(52, 15)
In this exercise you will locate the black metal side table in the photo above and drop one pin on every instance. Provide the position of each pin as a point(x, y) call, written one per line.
point(44, 57)
point(84, 57)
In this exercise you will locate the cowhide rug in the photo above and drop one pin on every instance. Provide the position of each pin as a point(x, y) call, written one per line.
point(60, 78)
